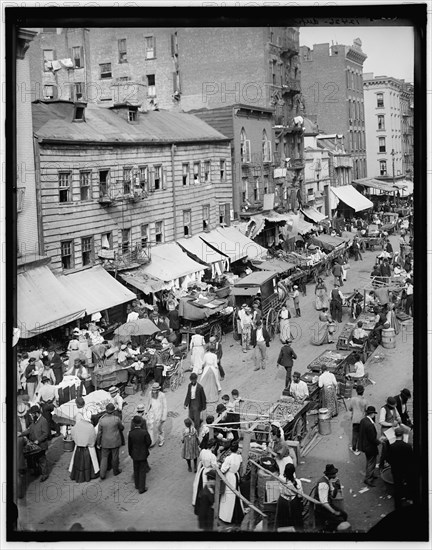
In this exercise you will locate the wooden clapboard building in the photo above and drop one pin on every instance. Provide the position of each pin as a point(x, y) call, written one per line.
point(115, 181)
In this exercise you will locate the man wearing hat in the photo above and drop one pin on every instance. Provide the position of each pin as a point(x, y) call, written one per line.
point(286, 359)
point(368, 443)
point(216, 347)
point(156, 414)
point(109, 440)
point(139, 442)
point(23, 413)
point(47, 396)
point(388, 418)
point(337, 273)
point(401, 406)
point(31, 375)
point(38, 432)
point(336, 301)
point(117, 400)
point(401, 459)
point(296, 300)
point(245, 317)
point(327, 517)
point(196, 400)
point(260, 340)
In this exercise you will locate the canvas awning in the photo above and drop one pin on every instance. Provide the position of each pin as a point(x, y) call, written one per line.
point(142, 281)
point(275, 264)
point(313, 214)
point(351, 197)
point(197, 246)
point(44, 303)
point(235, 243)
point(96, 289)
point(375, 184)
point(169, 262)
point(328, 242)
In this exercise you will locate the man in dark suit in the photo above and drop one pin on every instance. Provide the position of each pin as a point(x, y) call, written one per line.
point(401, 406)
point(196, 400)
point(368, 443)
point(109, 440)
point(139, 442)
point(38, 432)
point(401, 459)
point(286, 360)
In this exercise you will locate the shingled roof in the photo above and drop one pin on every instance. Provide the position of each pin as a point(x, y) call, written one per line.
point(53, 121)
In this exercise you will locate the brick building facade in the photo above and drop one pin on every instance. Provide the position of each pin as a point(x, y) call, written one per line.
point(332, 87)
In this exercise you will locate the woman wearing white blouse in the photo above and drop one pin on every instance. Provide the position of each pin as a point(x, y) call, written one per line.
point(231, 507)
point(328, 384)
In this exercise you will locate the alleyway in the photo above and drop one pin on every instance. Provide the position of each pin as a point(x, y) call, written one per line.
point(115, 505)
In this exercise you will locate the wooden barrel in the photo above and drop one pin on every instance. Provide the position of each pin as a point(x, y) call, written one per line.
point(388, 338)
point(68, 445)
point(347, 388)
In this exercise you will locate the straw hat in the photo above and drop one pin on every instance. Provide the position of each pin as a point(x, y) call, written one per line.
point(22, 409)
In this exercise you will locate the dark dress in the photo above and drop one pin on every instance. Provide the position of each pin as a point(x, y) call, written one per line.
point(82, 468)
point(204, 509)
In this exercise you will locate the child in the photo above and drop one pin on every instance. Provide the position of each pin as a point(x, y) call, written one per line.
point(190, 444)
point(296, 300)
point(205, 431)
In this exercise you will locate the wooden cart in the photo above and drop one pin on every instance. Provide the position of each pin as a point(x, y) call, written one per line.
point(264, 286)
point(337, 362)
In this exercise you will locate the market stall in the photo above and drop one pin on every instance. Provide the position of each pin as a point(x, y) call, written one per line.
point(337, 362)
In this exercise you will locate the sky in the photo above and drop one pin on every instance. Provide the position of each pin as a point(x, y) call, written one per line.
point(390, 50)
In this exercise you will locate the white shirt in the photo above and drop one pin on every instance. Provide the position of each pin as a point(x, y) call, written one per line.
point(133, 316)
point(193, 391)
point(117, 401)
point(327, 379)
point(122, 356)
point(299, 390)
point(359, 370)
point(409, 289)
point(259, 335)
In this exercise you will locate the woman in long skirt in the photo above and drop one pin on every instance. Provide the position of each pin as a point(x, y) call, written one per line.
point(231, 507)
point(321, 296)
point(206, 461)
point(284, 326)
point(210, 378)
point(322, 332)
point(328, 384)
point(197, 347)
point(84, 464)
point(289, 510)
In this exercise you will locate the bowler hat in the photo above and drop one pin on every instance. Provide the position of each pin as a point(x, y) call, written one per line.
point(113, 390)
point(110, 408)
point(391, 402)
point(140, 407)
point(34, 409)
point(193, 376)
point(79, 402)
point(137, 420)
point(399, 431)
point(371, 410)
point(406, 393)
point(330, 470)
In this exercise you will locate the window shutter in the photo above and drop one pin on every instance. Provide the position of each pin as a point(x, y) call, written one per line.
point(269, 153)
point(54, 54)
point(81, 56)
point(247, 150)
point(163, 176)
point(227, 214)
point(154, 46)
point(172, 45)
point(152, 179)
point(55, 91)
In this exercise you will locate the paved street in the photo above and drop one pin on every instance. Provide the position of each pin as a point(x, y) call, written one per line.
point(115, 505)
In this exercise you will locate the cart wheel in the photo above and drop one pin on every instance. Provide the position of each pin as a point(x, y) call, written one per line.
point(216, 330)
point(271, 321)
point(299, 429)
point(174, 383)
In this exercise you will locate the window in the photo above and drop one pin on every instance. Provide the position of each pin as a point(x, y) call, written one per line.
point(67, 254)
point(197, 172)
point(159, 232)
point(79, 86)
point(105, 70)
point(103, 182)
point(266, 184)
point(158, 182)
point(107, 240)
point(150, 47)
point(185, 174)
point(143, 177)
point(256, 190)
point(48, 58)
point(381, 125)
point(206, 216)
point(76, 57)
point(125, 240)
point(151, 85)
point(127, 175)
point(207, 171)
point(383, 167)
point(244, 189)
point(187, 216)
point(380, 100)
point(87, 250)
point(65, 186)
point(49, 92)
point(244, 147)
point(266, 148)
point(224, 214)
point(382, 145)
point(85, 189)
point(132, 115)
point(79, 113)
point(144, 235)
point(20, 198)
point(222, 168)
point(122, 50)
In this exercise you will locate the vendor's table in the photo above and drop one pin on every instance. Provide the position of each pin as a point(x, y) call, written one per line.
point(65, 414)
point(368, 320)
point(336, 362)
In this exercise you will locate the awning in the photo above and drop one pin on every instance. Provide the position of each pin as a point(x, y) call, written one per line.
point(96, 289)
point(198, 247)
point(328, 242)
point(406, 186)
point(44, 303)
point(169, 262)
point(275, 265)
point(142, 281)
point(313, 214)
point(375, 184)
point(351, 197)
point(232, 243)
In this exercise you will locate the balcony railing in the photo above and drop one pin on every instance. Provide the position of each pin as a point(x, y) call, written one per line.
point(117, 261)
point(291, 87)
point(289, 47)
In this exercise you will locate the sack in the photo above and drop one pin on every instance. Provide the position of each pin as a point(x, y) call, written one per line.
point(347, 266)
point(31, 448)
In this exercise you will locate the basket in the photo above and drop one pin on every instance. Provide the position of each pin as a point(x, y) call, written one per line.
point(223, 292)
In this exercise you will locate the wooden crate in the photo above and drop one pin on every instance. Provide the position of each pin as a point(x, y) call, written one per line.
point(345, 337)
